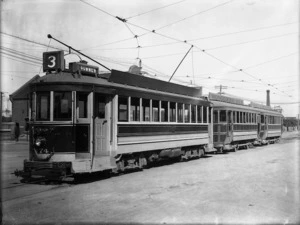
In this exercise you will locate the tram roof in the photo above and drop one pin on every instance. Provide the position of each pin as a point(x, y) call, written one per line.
point(226, 105)
point(126, 81)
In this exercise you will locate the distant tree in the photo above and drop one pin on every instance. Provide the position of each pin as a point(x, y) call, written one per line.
point(290, 122)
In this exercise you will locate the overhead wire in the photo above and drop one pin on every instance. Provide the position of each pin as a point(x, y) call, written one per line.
point(242, 31)
point(20, 54)
point(31, 64)
point(172, 38)
point(247, 42)
point(21, 58)
point(152, 10)
point(27, 40)
point(272, 60)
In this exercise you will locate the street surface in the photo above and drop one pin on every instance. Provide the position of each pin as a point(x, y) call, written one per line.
point(259, 185)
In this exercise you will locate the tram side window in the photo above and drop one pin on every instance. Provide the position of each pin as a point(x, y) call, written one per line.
point(262, 119)
point(135, 109)
point(164, 111)
point(193, 114)
point(146, 109)
point(199, 114)
point(186, 113)
point(238, 117)
point(43, 106)
point(155, 110)
point(180, 112)
point(172, 112)
point(123, 109)
point(62, 105)
point(215, 116)
point(82, 102)
point(222, 116)
point(204, 114)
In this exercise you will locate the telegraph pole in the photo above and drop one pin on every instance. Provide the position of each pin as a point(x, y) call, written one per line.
point(221, 87)
point(1, 93)
point(298, 122)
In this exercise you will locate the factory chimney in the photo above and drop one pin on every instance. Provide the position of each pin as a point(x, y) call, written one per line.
point(268, 98)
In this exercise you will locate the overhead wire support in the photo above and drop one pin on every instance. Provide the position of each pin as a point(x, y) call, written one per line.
point(180, 63)
point(49, 36)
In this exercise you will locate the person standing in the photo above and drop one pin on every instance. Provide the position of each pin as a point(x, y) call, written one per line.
point(17, 131)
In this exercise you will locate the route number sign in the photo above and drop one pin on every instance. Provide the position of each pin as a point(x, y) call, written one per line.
point(53, 61)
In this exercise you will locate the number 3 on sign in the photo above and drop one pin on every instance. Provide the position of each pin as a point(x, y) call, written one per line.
point(52, 61)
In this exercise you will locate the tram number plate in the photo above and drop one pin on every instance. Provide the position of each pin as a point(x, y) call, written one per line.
point(53, 61)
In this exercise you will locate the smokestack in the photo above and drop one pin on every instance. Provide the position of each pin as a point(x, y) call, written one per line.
point(268, 98)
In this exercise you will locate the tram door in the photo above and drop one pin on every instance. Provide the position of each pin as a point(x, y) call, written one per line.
point(101, 125)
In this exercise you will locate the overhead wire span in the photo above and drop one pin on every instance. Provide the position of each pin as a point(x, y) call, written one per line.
point(20, 54)
point(110, 43)
point(27, 40)
point(242, 31)
point(166, 36)
point(272, 60)
point(152, 10)
point(196, 14)
point(31, 64)
point(257, 40)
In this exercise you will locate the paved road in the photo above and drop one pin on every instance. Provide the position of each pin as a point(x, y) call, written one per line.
point(259, 185)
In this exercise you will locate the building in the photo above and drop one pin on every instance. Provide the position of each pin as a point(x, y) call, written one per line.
point(20, 103)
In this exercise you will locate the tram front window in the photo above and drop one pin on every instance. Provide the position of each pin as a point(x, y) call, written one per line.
point(62, 105)
point(82, 102)
point(43, 106)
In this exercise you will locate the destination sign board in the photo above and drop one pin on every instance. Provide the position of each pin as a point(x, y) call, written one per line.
point(84, 69)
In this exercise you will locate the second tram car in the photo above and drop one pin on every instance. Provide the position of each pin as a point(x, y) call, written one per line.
point(83, 121)
point(239, 125)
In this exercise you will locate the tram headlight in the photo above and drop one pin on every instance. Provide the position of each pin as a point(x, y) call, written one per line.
point(39, 142)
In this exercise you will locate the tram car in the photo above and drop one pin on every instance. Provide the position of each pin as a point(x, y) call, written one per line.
point(239, 125)
point(83, 122)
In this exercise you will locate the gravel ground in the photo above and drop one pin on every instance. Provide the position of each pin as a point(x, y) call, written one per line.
point(255, 186)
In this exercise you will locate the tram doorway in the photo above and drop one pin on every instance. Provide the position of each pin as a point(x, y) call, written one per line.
point(101, 125)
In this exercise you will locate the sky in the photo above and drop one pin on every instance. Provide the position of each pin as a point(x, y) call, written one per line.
point(248, 46)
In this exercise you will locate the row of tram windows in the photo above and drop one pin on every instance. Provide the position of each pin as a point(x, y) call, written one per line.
point(57, 105)
point(223, 116)
point(133, 109)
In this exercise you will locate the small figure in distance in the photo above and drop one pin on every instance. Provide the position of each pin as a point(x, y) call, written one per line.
point(17, 132)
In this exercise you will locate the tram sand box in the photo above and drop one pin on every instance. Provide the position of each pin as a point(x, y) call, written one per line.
point(84, 122)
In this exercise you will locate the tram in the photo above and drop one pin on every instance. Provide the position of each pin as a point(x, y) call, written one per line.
point(83, 121)
point(238, 125)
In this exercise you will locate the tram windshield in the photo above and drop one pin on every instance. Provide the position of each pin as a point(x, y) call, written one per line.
point(62, 105)
point(43, 106)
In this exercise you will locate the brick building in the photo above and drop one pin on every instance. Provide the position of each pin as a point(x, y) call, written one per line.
point(20, 103)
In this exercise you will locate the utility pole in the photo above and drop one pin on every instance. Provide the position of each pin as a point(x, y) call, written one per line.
point(1, 110)
point(1, 106)
point(1, 93)
point(221, 87)
point(298, 122)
